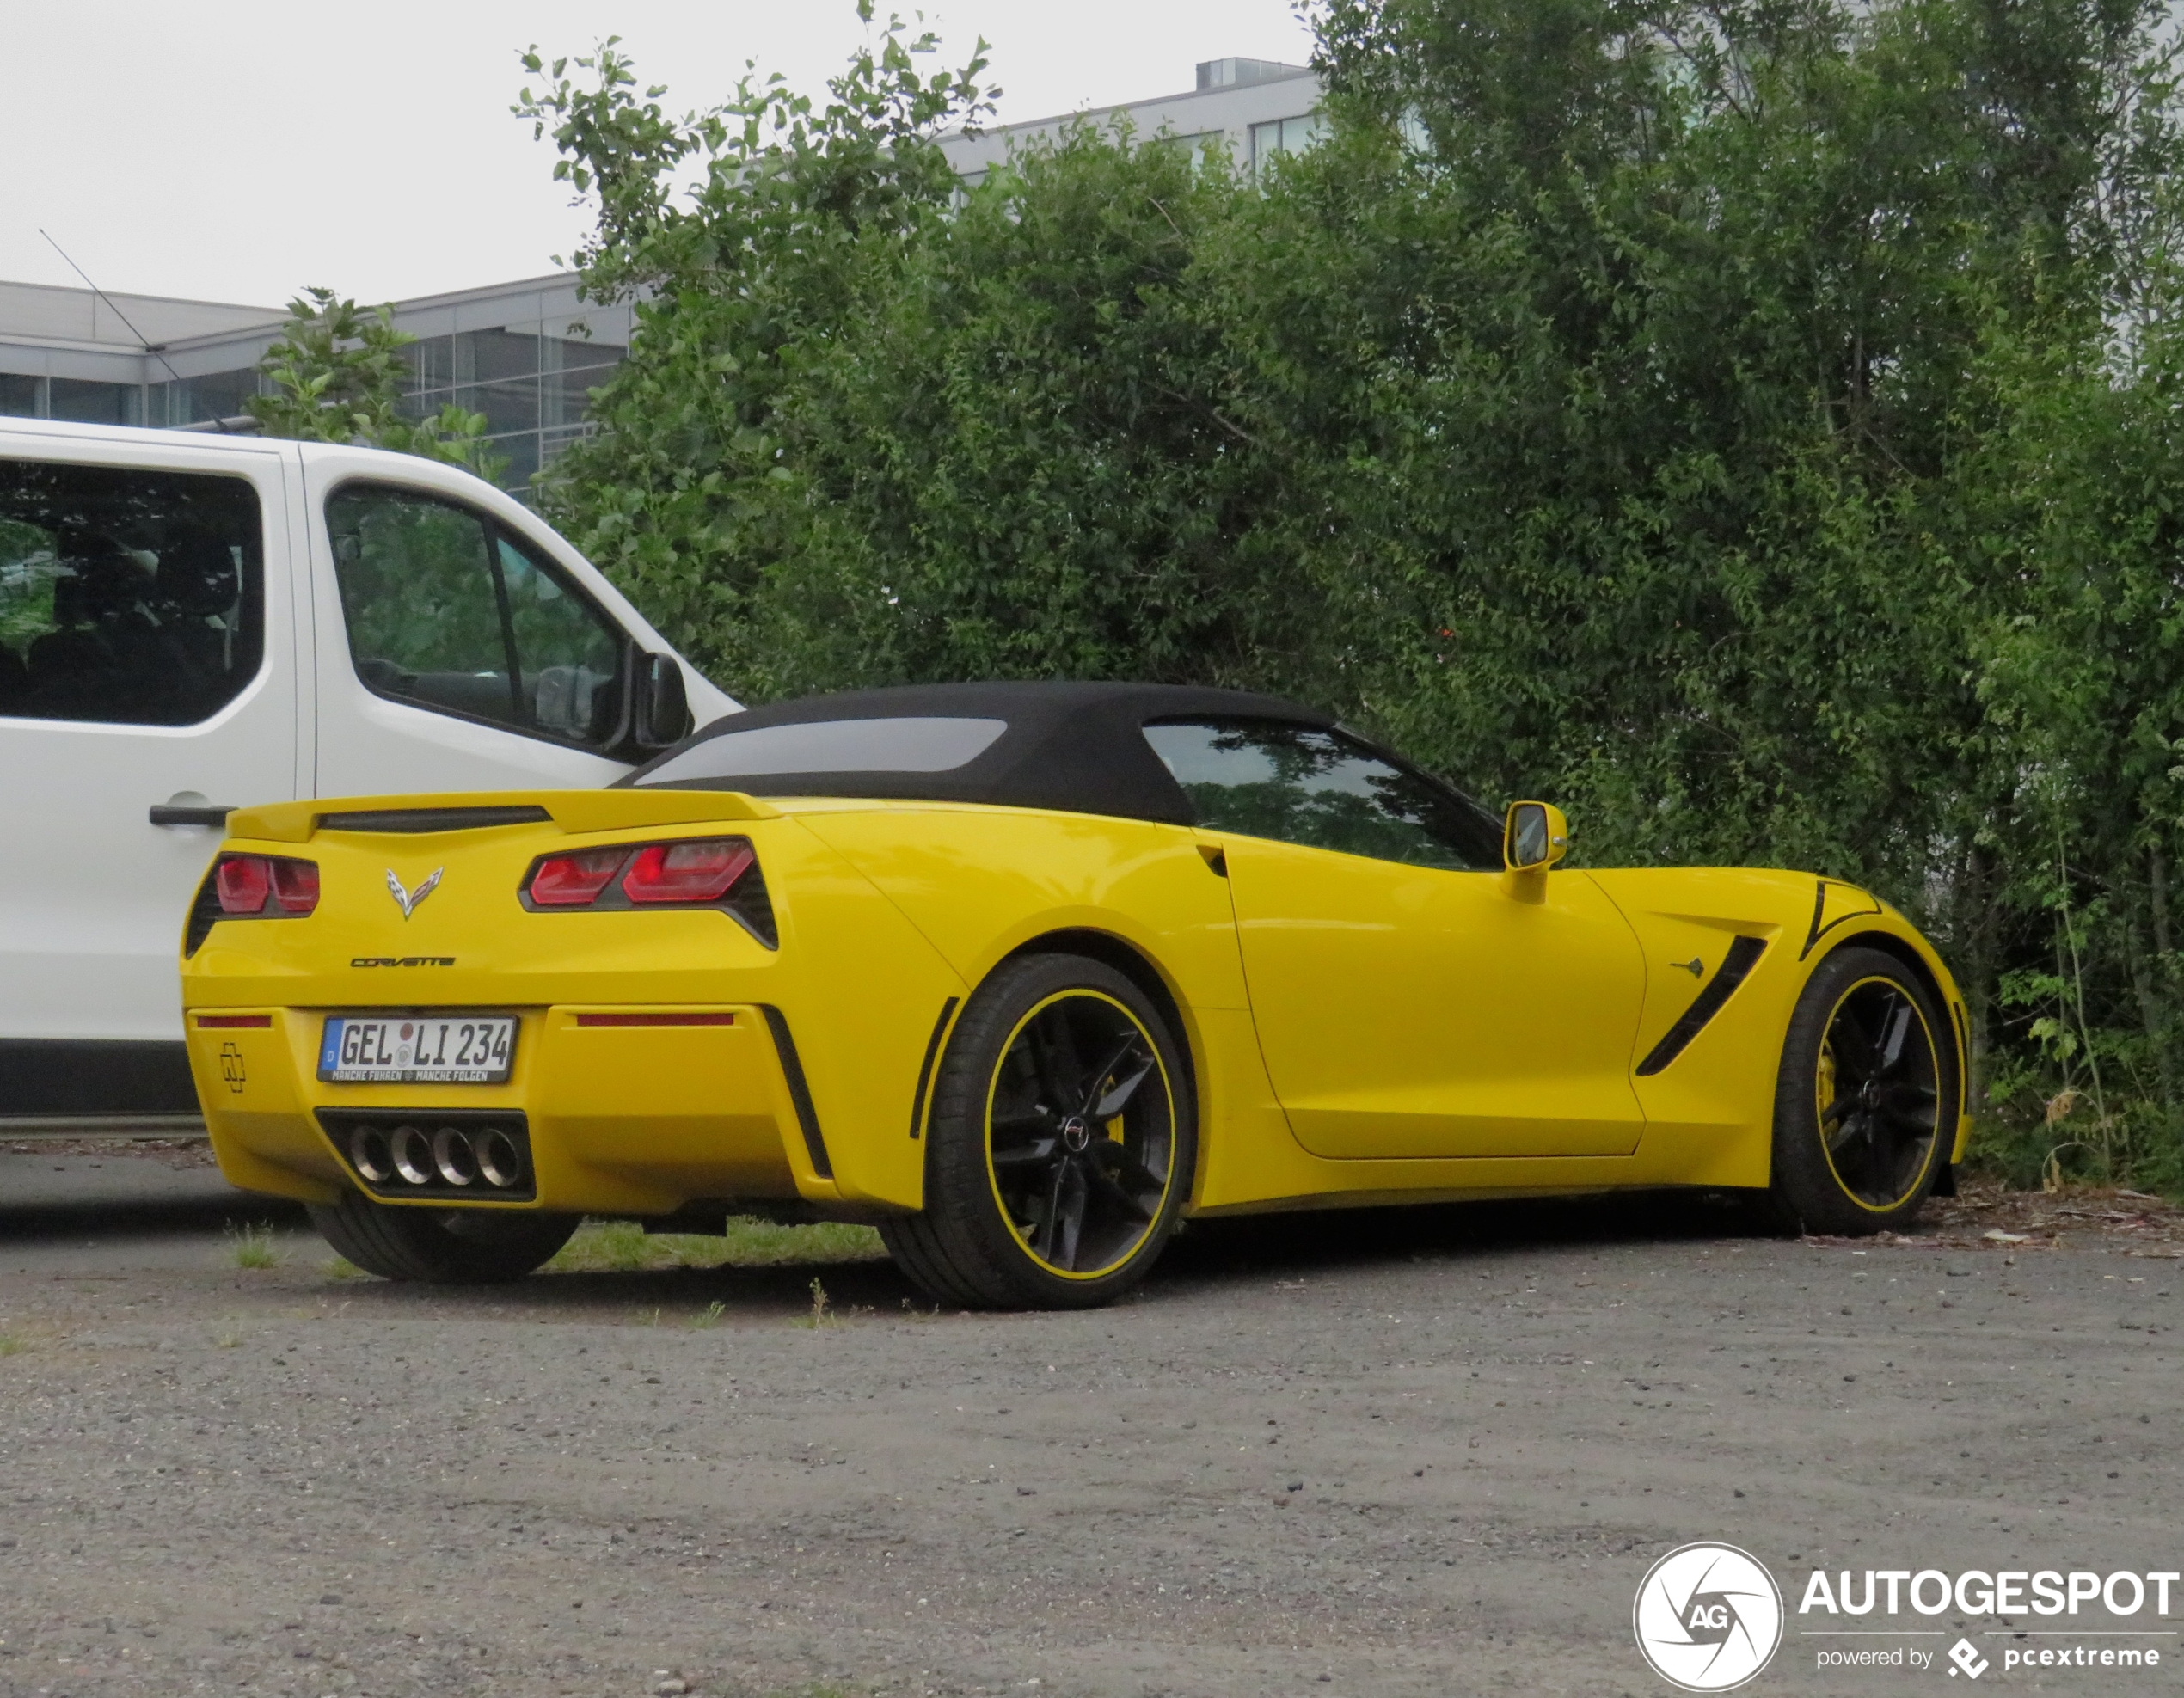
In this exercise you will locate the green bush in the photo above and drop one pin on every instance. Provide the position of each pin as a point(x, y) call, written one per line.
point(1751, 424)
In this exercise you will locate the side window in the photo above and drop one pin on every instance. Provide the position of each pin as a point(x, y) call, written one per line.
point(1324, 790)
point(446, 611)
point(129, 598)
point(569, 656)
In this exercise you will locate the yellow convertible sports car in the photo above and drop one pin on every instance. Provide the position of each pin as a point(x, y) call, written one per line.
point(1023, 974)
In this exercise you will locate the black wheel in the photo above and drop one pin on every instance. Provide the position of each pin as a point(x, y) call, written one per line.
point(441, 1247)
point(1061, 1144)
point(1865, 1104)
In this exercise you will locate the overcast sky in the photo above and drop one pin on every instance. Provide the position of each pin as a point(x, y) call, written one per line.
point(240, 150)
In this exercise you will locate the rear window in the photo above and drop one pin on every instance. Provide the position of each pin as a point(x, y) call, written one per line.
point(931, 745)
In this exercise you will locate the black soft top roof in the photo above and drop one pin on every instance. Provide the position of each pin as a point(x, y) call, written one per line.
point(1078, 747)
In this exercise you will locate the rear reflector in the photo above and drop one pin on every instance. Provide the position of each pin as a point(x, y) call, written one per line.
point(572, 880)
point(714, 1017)
point(698, 871)
point(232, 1023)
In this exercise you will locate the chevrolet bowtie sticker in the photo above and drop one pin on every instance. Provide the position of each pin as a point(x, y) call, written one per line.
point(406, 901)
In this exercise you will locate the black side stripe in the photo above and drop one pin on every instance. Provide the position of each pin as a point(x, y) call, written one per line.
point(1820, 907)
point(800, 1092)
point(1735, 966)
point(926, 1069)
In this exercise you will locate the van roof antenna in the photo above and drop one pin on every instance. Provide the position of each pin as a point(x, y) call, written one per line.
point(158, 352)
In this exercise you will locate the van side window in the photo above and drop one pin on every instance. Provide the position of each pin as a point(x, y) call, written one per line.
point(128, 597)
point(446, 611)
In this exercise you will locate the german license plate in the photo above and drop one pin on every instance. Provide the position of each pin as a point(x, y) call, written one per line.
point(417, 1050)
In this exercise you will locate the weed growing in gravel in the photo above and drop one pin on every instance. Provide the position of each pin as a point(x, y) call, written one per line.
point(821, 1305)
point(227, 1341)
point(624, 1247)
point(341, 1268)
point(13, 1344)
point(253, 1245)
point(710, 1318)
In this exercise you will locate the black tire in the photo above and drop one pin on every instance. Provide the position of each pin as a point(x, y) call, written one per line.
point(1865, 1104)
point(441, 1247)
point(1032, 1199)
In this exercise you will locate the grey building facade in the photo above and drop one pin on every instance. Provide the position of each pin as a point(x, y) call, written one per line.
point(527, 355)
point(1256, 108)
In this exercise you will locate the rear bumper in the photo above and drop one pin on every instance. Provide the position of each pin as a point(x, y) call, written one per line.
point(631, 1113)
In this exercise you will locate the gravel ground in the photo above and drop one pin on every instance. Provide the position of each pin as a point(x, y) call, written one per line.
point(1413, 1452)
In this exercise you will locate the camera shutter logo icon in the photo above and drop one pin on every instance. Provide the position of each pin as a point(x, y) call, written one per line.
point(1707, 1617)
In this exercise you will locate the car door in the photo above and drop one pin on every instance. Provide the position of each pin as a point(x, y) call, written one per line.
point(1409, 1003)
point(455, 652)
point(147, 682)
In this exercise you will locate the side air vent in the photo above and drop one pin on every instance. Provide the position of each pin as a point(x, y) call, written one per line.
point(461, 1154)
point(418, 819)
point(1736, 966)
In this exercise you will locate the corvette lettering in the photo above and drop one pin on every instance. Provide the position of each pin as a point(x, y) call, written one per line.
point(402, 961)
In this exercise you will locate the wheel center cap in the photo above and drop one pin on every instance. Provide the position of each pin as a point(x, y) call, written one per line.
point(1076, 1135)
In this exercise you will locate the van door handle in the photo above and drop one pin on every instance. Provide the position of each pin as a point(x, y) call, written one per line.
point(162, 814)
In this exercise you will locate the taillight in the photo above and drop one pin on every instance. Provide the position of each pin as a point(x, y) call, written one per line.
point(699, 871)
point(295, 885)
point(687, 872)
point(245, 881)
point(251, 886)
point(573, 880)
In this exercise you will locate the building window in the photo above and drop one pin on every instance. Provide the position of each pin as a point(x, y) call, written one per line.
point(89, 403)
point(533, 388)
point(1283, 135)
point(19, 397)
point(1196, 145)
point(195, 400)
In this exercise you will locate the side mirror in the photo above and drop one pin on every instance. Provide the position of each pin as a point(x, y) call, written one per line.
point(661, 708)
point(1534, 838)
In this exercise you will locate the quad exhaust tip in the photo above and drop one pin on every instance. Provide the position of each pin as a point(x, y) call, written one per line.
point(457, 1158)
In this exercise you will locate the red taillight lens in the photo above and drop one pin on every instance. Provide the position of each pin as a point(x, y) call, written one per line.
point(295, 886)
point(244, 883)
point(572, 880)
point(698, 871)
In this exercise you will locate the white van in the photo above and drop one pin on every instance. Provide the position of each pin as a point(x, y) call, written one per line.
point(190, 623)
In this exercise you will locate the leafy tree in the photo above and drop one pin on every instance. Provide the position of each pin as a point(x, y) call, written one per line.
point(338, 375)
point(1748, 419)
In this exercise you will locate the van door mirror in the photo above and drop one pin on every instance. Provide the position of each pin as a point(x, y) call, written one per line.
point(661, 715)
point(1534, 838)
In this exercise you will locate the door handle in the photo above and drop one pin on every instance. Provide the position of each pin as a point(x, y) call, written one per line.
point(162, 814)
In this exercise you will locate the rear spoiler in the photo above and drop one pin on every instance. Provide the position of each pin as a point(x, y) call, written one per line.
point(574, 811)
